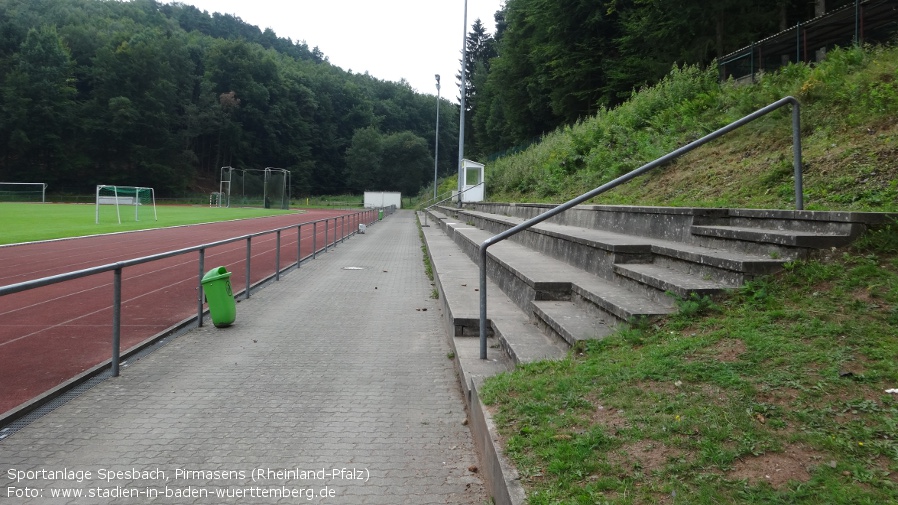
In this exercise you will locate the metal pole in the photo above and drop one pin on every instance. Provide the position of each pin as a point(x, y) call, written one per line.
point(436, 140)
point(199, 290)
point(116, 319)
point(277, 257)
point(796, 155)
point(461, 115)
point(342, 229)
point(326, 243)
point(298, 246)
point(249, 250)
point(315, 240)
point(752, 62)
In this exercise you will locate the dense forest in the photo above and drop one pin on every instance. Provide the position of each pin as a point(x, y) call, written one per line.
point(163, 95)
point(552, 63)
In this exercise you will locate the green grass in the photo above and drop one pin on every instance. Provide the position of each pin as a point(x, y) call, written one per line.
point(775, 394)
point(30, 222)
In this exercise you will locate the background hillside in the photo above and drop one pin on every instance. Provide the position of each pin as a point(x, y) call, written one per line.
point(163, 95)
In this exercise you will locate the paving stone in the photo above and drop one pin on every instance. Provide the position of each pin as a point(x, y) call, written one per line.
point(327, 369)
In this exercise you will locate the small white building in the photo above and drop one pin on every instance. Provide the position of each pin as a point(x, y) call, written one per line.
point(473, 183)
point(379, 199)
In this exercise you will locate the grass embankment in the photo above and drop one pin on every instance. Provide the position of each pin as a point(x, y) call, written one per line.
point(774, 394)
point(849, 136)
point(38, 221)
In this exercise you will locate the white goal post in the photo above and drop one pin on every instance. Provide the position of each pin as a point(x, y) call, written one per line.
point(119, 196)
point(23, 192)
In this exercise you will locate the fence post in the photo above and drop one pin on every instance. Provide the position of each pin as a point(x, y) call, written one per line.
point(199, 290)
point(342, 229)
point(116, 319)
point(249, 248)
point(315, 240)
point(298, 246)
point(277, 258)
point(326, 243)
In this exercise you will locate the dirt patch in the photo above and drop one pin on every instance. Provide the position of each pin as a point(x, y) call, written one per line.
point(795, 463)
point(610, 418)
point(645, 455)
point(728, 350)
point(884, 465)
point(781, 397)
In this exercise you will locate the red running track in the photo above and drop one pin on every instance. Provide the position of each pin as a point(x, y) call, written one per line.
point(51, 334)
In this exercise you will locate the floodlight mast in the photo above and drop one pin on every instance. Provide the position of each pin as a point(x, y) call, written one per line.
point(436, 141)
point(461, 116)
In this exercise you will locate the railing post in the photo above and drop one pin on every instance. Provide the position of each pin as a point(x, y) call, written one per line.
point(326, 243)
point(249, 250)
point(483, 301)
point(199, 290)
point(277, 257)
point(796, 155)
point(315, 240)
point(298, 246)
point(342, 229)
point(116, 319)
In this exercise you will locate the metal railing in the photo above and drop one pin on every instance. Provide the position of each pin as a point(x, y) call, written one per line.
point(796, 161)
point(868, 21)
point(366, 217)
point(426, 204)
point(453, 195)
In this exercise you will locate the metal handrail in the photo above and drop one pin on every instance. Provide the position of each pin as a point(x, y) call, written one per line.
point(796, 162)
point(448, 198)
point(117, 268)
point(424, 205)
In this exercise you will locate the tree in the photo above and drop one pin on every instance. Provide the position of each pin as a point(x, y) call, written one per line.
point(363, 160)
point(38, 105)
point(407, 163)
point(480, 49)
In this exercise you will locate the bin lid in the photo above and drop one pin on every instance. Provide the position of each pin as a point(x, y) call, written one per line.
point(216, 274)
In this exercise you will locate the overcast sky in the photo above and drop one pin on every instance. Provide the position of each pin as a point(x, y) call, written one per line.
point(390, 39)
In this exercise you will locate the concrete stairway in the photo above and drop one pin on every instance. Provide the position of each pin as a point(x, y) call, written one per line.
point(585, 272)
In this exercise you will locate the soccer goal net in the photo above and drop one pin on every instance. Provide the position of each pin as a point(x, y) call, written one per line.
point(115, 201)
point(269, 188)
point(23, 192)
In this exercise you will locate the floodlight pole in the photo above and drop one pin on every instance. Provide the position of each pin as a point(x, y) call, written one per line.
point(461, 115)
point(436, 141)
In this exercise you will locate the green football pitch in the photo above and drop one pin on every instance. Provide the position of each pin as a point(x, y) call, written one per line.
point(27, 222)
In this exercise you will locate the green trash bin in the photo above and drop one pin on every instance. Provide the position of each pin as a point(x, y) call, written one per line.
point(380, 215)
point(217, 288)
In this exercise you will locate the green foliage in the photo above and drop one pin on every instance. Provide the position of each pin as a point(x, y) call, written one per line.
point(164, 95)
point(849, 102)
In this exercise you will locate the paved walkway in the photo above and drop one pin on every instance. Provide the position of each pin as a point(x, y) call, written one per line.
point(334, 381)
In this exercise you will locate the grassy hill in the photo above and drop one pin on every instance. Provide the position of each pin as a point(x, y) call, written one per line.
point(778, 393)
point(849, 135)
